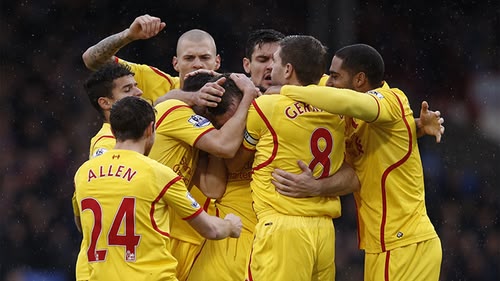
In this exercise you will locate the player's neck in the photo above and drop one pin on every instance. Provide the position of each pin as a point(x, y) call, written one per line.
point(137, 146)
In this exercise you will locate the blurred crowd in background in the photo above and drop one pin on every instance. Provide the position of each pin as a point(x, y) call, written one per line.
point(447, 54)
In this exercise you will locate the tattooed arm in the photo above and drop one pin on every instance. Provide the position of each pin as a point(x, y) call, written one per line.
point(143, 27)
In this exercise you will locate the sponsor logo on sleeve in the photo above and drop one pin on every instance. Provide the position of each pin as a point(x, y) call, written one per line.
point(377, 94)
point(199, 121)
point(99, 152)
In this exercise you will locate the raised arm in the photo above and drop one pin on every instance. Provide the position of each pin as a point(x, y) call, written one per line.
point(343, 182)
point(225, 142)
point(202, 97)
point(143, 27)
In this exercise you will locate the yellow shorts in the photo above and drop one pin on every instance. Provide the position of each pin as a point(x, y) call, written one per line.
point(419, 261)
point(223, 260)
point(293, 248)
point(185, 254)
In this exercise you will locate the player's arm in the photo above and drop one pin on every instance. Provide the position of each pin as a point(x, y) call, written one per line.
point(336, 101)
point(210, 227)
point(199, 98)
point(211, 175)
point(236, 164)
point(205, 96)
point(225, 142)
point(215, 228)
point(78, 223)
point(76, 213)
point(429, 123)
point(246, 152)
point(343, 182)
point(143, 27)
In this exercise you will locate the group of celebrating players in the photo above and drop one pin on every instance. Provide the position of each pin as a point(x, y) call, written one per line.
point(230, 177)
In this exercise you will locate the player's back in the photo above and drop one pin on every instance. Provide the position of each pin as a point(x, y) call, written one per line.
point(124, 217)
point(289, 131)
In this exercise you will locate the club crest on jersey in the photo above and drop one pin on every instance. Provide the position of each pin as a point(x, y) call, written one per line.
point(194, 204)
point(377, 94)
point(199, 121)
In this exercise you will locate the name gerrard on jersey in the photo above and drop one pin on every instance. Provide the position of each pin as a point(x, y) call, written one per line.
point(298, 108)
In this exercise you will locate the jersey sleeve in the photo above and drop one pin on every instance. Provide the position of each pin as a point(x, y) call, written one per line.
point(74, 204)
point(322, 81)
point(177, 119)
point(254, 127)
point(393, 103)
point(336, 101)
point(178, 197)
point(101, 145)
point(153, 82)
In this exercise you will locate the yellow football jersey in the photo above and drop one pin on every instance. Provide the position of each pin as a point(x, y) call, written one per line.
point(153, 82)
point(384, 152)
point(385, 155)
point(178, 128)
point(102, 141)
point(283, 131)
point(122, 202)
point(322, 81)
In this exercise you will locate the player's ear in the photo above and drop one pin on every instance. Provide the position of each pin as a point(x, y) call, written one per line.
point(175, 61)
point(360, 79)
point(150, 130)
point(105, 103)
point(217, 62)
point(288, 71)
point(246, 65)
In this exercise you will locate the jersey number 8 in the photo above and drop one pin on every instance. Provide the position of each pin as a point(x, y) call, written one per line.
point(321, 148)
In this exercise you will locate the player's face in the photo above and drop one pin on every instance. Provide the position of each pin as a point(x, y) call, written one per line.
point(339, 78)
point(125, 86)
point(278, 70)
point(259, 65)
point(192, 56)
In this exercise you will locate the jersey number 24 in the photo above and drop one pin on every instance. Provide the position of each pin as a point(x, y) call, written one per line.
point(125, 215)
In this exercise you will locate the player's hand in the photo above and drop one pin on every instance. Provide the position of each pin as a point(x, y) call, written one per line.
point(144, 27)
point(236, 225)
point(208, 97)
point(292, 185)
point(193, 73)
point(430, 122)
point(210, 94)
point(245, 84)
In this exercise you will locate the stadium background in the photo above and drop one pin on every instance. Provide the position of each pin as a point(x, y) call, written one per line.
point(447, 54)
